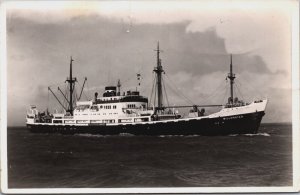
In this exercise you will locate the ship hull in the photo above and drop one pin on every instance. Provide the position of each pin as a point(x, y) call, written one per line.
point(234, 124)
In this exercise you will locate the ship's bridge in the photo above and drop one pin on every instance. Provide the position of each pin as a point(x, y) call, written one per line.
point(110, 91)
point(111, 95)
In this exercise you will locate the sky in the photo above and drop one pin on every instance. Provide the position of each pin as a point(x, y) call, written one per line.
point(111, 40)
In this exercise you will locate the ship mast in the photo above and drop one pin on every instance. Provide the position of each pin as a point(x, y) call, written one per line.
point(159, 70)
point(231, 76)
point(119, 87)
point(71, 82)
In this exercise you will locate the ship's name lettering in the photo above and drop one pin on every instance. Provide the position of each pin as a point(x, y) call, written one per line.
point(233, 117)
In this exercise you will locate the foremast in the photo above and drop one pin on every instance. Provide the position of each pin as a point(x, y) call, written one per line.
point(71, 82)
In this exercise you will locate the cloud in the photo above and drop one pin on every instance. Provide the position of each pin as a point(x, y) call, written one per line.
point(106, 49)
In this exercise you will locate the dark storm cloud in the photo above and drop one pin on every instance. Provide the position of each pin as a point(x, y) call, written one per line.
point(98, 43)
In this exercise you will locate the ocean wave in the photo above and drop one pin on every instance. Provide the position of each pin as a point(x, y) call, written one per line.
point(258, 134)
point(250, 134)
point(98, 135)
point(125, 134)
point(193, 135)
point(60, 152)
point(89, 135)
point(172, 135)
point(190, 178)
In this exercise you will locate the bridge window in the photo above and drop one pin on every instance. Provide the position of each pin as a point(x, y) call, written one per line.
point(107, 107)
point(131, 105)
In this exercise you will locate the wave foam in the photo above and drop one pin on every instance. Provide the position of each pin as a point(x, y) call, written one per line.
point(98, 135)
point(258, 134)
point(172, 136)
point(89, 135)
point(250, 134)
point(126, 134)
point(60, 152)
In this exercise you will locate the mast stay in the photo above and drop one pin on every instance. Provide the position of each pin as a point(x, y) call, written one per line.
point(160, 86)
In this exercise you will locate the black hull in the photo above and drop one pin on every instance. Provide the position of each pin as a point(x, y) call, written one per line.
point(236, 124)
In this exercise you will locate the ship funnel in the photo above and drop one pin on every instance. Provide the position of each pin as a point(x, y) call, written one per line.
point(96, 95)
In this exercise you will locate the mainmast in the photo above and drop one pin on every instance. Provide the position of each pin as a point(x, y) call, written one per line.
point(71, 82)
point(159, 70)
point(231, 76)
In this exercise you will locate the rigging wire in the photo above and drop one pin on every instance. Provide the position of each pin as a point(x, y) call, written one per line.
point(214, 93)
point(155, 93)
point(88, 91)
point(165, 91)
point(84, 92)
point(250, 87)
point(174, 91)
point(56, 84)
point(86, 97)
point(238, 90)
point(182, 94)
point(75, 97)
point(191, 102)
point(225, 95)
point(66, 93)
point(153, 86)
point(48, 100)
point(74, 89)
point(219, 94)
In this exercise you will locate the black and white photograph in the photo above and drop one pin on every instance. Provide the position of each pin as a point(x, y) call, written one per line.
point(150, 96)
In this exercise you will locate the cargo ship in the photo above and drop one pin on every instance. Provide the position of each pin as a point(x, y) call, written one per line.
point(117, 112)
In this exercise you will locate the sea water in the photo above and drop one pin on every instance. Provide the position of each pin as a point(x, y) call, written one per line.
point(95, 161)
